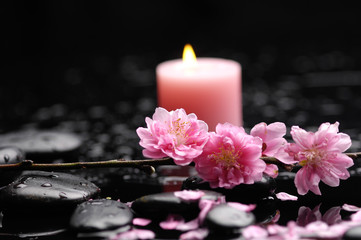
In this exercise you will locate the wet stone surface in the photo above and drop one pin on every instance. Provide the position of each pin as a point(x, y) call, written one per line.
point(245, 193)
point(353, 234)
point(46, 190)
point(41, 144)
point(161, 204)
point(226, 219)
point(10, 155)
point(99, 215)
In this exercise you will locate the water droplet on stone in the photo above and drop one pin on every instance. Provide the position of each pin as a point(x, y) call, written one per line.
point(20, 185)
point(54, 176)
point(83, 211)
point(63, 195)
point(96, 203)
point(46, 185)
point(6, 158)
point(47, 138)
point(23, 180)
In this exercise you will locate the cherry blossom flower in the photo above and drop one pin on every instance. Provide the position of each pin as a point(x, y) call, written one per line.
point(306, 216)
point(321, 156)
point(272, 137)
point(174, 134)
point(230, 157)
point(273, 142)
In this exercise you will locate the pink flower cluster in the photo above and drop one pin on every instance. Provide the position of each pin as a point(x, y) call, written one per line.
point(310, 224)
point(229, 156)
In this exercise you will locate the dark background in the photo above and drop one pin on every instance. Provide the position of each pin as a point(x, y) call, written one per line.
point(88, 67)
point(84, 53)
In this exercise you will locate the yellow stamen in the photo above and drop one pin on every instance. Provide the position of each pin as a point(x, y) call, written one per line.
point(179, 130)
point(311, 157)
point(227, 157)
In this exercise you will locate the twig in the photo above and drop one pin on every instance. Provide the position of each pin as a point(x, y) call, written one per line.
point(144, 164)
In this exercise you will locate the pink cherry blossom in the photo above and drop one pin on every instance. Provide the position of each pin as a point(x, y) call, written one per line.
point(198, 234)
point(271, 135)
point(141, 221)
point(356, 217)
point(321, 156)
point(350, 208)
point(242, 207)
point(190, 225)
point(273, 142)
point(254, 232)
point(230, 157)
point(283, 196)
point(173, 134)
point(172, 221)
point(189, 195)
point(177, 222)
point(271, 170)
point(206, 205)
point(306, 216)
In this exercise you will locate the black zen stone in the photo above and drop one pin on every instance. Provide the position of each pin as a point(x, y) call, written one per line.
point(10, 155)
point(43, 144)
point(46, 191)
point(353, 233)
point(160, 205)
point(35, 224)
point(100, 215)
point(266, 209)
point(228, 220)
point(246, 193)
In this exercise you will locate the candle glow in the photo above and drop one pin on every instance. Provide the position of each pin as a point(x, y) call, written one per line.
point(189, 57)
point(208, 87)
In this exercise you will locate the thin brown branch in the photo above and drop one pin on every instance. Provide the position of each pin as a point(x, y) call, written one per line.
point(146, 165)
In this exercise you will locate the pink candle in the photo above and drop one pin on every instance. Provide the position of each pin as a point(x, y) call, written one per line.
point(211, 89)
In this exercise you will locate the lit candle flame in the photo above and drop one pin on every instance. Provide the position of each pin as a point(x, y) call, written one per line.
point(189, 57)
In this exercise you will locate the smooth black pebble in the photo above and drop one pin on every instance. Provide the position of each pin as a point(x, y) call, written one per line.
point(266, 209)
point(245, 193)
point(42, 191)
point(42, 145)
point(353, 233)
point(228, 220)
point(10, 155)
point(100, 215)
point(160, 205)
